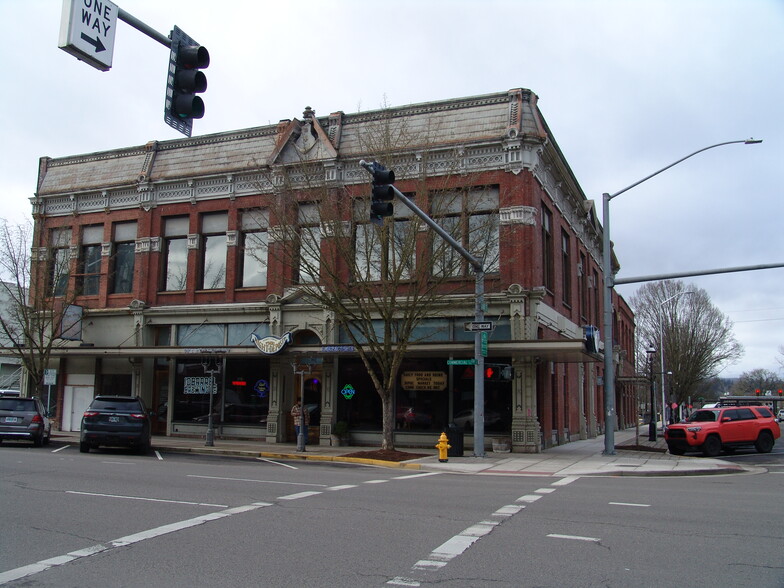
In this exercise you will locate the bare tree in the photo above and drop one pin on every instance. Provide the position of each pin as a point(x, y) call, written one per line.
point(758, 381)
point(379, 280)
point(697, 336)
point(33, 318)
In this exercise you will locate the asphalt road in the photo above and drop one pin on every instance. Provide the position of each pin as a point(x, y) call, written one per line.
point(112, 518)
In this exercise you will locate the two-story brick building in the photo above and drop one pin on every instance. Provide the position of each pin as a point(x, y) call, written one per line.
point(168, 246)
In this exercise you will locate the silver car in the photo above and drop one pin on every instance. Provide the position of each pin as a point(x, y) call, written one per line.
point(25, 419)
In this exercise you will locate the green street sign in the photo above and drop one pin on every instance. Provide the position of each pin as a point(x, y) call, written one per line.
point(484, 343)
point(460, 362)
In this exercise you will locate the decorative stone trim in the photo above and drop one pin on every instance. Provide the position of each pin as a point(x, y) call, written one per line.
point(106, 249)
point(231, 238)
point(194, 241)
point(518, 215)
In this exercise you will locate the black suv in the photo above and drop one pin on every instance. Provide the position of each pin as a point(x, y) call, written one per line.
point(24, 418)
point(122, 421)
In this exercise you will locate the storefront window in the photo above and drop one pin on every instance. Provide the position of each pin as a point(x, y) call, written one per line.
point(241, 397)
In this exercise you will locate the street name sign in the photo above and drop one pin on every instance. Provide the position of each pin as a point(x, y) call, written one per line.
point(460, 362)
point(87, 30)
point(479, 326)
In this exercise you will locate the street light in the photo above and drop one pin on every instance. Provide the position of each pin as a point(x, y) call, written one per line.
point(652, 412)
point(661, 349)
point(609, 283)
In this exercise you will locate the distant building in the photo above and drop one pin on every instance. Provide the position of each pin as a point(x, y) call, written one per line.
point(166, 245)
point(10, 367)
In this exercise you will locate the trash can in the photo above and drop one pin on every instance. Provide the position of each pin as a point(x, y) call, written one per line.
point(455, 436)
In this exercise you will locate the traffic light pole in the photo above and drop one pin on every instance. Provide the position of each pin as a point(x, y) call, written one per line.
point(479, 314)
point(144, 28)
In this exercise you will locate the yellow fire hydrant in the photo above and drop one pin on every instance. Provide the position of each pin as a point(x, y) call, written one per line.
point(442, 446)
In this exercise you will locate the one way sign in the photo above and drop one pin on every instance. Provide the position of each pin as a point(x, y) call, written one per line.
point(87, 31)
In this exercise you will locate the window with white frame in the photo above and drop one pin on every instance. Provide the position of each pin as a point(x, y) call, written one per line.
point(123, 258)
point(90, 260)
point(254, 225)
point(370, 258)
point(471, 218)
point(175, 253)
point(308, 218)
point(214, 249)
point(60, 261)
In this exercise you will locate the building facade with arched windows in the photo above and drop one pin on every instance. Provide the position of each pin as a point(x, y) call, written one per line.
point(169, 248)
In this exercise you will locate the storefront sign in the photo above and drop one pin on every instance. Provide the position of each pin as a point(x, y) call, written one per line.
point(200, 385)
point(423, 380)
point(261, 387)
point(337, 349)
point(271, 345)
point(348, 391)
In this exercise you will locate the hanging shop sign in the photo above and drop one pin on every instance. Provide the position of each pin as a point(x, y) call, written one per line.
point(423, 381)
point(271, 345)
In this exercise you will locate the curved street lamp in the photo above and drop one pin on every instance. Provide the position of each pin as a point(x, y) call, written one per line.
point(609, 283)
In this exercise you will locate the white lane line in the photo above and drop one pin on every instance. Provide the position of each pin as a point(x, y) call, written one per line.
point(628, 504)
point(565, 480)
point(255, 481)
point(60, 448)
point(423, 475)
point(574, 537)
point(158, 455)
point(400, 581)
point(30, 569)
point(509, 510)
point(529, 498)
point(343, 487)
point(545, 490)
point(298, 495)
point(272, 461)
point(124, 497)
point(375, 481)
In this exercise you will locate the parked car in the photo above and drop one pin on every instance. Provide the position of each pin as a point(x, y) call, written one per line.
point(724, 428)
point(116, 421)
point(780, 416)
point(24, 418)
point(465, 418)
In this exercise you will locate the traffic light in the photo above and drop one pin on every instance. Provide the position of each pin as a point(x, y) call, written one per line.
point(186, 60)
point(383, 194)
point(498, 371)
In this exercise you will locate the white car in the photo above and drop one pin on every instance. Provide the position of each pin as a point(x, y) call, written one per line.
point(780, 416)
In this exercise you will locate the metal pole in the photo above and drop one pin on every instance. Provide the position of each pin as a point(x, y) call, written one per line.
point(477, 265)
point(609, 282)
point(652, 419)
point(144, 28)
point(609, 363)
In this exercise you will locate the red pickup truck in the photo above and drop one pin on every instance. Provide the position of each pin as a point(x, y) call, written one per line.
point(711, 430)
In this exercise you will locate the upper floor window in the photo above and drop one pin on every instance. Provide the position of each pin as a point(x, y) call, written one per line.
point(308, 218)
point(90, 260)
point(582, 286)
point(60, 261)
point(566, 267)
point(254, 225)
point(175, 253)
point(471, 218)
point(547, 248)
point(397, 260)
point(213, 261)
point(123, 258)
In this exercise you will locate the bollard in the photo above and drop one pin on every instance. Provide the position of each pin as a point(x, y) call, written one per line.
point(442, 446)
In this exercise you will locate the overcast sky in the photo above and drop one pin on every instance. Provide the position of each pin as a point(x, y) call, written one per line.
point(627, 87)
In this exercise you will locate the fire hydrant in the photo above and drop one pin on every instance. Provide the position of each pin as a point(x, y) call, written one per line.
point(442, 446)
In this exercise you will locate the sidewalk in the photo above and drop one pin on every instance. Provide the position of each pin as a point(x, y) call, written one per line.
point(579, 458)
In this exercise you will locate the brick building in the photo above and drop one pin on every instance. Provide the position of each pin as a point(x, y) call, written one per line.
point(168, 246)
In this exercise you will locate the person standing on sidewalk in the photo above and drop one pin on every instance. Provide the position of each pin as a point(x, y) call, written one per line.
point(297, 414)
